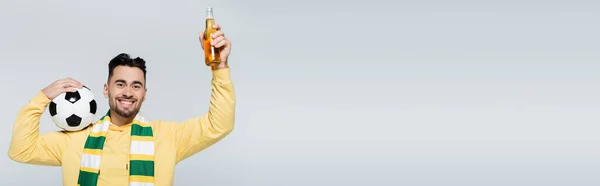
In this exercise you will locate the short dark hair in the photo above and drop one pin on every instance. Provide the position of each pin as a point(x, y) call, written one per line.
point(124, 59)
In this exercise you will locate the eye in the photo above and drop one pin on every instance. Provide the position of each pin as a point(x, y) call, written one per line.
point(120, 84)
point(137, 86)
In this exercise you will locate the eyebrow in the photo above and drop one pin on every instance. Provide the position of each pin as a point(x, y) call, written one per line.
point(134, 82)
point(138, 82)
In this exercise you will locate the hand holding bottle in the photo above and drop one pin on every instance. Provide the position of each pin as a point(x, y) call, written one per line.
point(216, 47)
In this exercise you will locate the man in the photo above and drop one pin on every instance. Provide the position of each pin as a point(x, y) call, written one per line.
point(122, 148)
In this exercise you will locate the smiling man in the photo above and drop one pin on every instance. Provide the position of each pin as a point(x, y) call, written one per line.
point(122, 148)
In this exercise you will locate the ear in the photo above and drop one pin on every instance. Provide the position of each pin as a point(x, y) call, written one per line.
point(145, 94)
point(105, 90)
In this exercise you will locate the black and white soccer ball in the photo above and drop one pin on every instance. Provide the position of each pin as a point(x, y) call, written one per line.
point(73, 111)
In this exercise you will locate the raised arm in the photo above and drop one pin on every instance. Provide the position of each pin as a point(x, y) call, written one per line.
point(27, 145)
point(197, 134)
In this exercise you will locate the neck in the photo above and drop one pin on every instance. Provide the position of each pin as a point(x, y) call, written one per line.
point(118, 120)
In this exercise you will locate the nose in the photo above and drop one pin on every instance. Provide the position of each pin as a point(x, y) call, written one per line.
point(127, 92)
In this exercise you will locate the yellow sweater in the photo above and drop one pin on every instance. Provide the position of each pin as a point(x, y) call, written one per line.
point(173, 141)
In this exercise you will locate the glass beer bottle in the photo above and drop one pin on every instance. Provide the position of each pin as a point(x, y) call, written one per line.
point(211, 53)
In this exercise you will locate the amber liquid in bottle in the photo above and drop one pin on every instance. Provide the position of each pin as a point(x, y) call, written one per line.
point(211, 53)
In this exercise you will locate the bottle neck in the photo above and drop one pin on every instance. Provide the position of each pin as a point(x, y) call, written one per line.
point(209, 13)
point(210, 20)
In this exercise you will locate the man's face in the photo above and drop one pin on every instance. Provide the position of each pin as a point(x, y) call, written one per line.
point(126, 90)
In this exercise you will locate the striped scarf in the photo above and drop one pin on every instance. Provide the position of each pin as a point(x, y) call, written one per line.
point(141, 153)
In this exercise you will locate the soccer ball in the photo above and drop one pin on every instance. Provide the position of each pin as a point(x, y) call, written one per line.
point(73, 111)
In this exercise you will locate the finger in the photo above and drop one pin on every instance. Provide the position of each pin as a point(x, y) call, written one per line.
point(217, 34)
point(217, 40)
point(69, 80)
point(201, 36)
point(62, 81)
point(71, 84)
point(69, 89)
point(75, 83)
point(216, 26)
point(221, 43)
point(68, 85)
point(79, 84)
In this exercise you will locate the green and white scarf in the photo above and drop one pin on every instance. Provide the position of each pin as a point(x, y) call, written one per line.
point(141, 153)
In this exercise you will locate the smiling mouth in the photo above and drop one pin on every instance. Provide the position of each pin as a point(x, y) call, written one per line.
point(126, 102)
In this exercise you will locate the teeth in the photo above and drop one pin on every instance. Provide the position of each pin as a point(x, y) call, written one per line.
point(127, 102)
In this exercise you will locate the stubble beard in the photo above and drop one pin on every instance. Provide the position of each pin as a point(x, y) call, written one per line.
point(123, 113)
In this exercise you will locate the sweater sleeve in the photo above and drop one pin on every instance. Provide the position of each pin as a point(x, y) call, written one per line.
point(27, 145)
point(197, 134)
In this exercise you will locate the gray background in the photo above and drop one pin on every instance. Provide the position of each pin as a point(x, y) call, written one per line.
point(416, 93)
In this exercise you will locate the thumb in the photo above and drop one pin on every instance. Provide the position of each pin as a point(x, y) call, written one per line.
point(201, 36)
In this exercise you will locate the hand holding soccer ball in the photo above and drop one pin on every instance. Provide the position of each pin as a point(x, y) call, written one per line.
point(61, 86)
point(73, 106)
